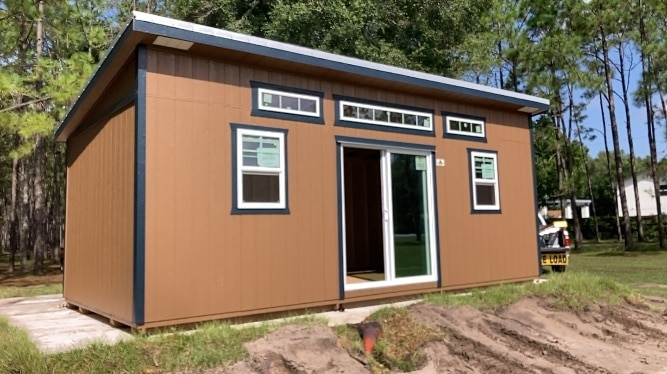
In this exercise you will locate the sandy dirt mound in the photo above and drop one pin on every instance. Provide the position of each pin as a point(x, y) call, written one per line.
point(298, 349)
point(531, 337)
point(527, 337)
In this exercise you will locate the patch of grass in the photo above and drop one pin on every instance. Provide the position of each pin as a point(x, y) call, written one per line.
point(17, 353)
point(213, 344)
point(399, 348)
point(483, 298)
point(637, 268)
point(569, 290)
point(47, 289)
point(577, 290)
point(24, 284)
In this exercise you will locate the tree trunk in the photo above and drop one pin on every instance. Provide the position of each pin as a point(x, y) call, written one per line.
point(614, 191)
point(57, 204)
point(569, 171)
point(39, 216)
point(589, 185)
point(631, 147)
point(656, 178)
point(647, 70)
point(13, 224)
point(39, 220)
point(559, 167)
point(620, 178)
point(24, 230)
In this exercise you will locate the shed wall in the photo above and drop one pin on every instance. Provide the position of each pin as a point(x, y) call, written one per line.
point(203, 261)
point(100, 218)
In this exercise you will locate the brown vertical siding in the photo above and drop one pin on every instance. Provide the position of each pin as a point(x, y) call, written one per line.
point(99, 230)
point(201, 260)
point(122, 86)
point(480, 248)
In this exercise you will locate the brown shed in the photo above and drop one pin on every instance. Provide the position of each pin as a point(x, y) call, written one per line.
point(214, 175)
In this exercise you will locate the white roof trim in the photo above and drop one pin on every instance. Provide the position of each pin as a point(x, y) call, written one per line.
point(252, 40)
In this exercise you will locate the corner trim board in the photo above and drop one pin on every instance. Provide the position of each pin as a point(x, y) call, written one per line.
point(531, 130)
point(139, 281)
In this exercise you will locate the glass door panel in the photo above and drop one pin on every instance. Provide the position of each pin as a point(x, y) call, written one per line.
point(409, 202)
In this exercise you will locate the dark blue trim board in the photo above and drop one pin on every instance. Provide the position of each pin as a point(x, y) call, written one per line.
point(281, 51)
point(471, 184)
point(257, 112)
point(379, 127)
point(471, 138)
point(139, 283)
point(341, 246)
point(435, 218)
point(383, 143)
point(101, 69)
point(531, 129)
point(235, 193)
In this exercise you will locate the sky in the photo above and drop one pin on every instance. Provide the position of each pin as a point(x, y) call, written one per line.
point(638, 125)
point(637, 115)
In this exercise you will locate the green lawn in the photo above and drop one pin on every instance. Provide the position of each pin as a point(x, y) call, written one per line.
point(644, 269)
point(24, 284)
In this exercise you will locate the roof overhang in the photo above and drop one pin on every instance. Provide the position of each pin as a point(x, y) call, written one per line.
point(151, 29)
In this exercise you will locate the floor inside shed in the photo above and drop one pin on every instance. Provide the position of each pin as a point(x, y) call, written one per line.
point(363, 277)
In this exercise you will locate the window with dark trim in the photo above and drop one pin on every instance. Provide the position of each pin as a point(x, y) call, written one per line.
point(273, 101)
point(259, 169)
point(373, 115)
point(464, 127)
point(484, 187)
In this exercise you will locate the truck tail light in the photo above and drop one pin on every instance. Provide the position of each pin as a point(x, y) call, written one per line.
point(566, 239)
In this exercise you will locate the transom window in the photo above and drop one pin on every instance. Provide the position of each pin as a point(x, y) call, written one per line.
point(465, 126)
point(260, 165)
point(485, 194)
point(385, 116)
point(288, 102)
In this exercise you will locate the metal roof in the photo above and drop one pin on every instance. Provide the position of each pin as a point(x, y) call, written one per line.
point(161, 26)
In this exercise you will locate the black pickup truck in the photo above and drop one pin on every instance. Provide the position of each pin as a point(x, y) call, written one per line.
point(554, 244)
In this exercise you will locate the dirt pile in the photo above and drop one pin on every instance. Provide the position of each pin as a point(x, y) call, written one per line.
point(532, 337)
point(298, 349)
point(527, 337)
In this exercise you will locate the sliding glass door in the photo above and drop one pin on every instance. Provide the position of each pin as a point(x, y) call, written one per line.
point(410, 212)
point(388, 216)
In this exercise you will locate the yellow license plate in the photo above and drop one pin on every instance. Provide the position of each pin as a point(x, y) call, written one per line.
point(554, 259)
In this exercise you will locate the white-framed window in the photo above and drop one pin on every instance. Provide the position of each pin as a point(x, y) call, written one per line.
point(465, 126)
point(288, 102)
point(485, 191)
point(261, 169)
point(385, 116)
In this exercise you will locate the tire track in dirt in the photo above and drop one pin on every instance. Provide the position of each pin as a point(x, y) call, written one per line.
point(490, 344)
point(532, 337)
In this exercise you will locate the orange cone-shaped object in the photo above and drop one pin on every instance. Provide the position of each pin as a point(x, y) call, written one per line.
point(370, 333)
